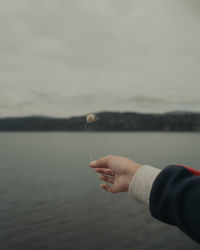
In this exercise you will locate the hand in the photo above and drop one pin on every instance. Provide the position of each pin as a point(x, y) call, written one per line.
point(116, 170)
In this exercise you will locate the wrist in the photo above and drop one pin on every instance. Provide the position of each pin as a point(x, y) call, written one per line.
point(135, 168)
point(132, 171)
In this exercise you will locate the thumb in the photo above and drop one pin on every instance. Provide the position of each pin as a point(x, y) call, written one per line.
point(100, 163)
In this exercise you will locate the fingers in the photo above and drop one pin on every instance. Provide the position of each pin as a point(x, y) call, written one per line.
point(107, 188)
point(100, 163)
point(106, 179)
point(102, 166)
point(104, 171)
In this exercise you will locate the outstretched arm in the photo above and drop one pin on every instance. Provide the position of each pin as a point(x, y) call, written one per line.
point(175, 199)
point(173, 194)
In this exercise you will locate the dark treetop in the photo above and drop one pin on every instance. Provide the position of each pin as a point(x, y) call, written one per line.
point(108, 121)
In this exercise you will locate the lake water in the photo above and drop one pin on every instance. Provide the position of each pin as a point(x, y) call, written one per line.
point(50, 198)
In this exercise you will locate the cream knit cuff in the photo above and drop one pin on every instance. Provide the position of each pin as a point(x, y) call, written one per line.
point(140, 186)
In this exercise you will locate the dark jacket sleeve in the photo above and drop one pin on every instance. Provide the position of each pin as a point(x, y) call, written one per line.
point(175, 199)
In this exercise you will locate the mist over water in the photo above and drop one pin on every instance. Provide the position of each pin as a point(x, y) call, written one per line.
point(51, 199)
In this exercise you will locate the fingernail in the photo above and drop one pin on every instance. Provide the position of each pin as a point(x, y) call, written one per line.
point(92, 163)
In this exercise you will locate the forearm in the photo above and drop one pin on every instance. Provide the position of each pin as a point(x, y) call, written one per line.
point(172, 194)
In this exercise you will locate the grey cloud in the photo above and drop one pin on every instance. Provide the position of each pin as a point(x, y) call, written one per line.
point(57, 97)
point(8, 103)
point(65, 57)
point(145, 100)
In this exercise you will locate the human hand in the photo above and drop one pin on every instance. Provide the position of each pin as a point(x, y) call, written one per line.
point(116, 170)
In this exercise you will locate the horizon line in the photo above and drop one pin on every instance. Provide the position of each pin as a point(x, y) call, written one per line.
point(100, 112)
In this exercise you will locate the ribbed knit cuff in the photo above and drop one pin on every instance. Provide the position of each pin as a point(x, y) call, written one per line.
point(140, 186)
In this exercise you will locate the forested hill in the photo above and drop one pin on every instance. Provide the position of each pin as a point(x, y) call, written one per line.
point(107, 121)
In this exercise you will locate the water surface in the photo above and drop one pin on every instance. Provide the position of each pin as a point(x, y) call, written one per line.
point(50, 198)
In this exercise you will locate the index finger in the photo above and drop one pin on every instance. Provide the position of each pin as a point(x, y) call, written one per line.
point(100, 163)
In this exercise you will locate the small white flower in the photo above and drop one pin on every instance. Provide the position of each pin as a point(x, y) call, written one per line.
point(91, 118)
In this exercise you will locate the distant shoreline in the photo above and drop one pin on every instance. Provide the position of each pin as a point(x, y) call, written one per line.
point(107, 122)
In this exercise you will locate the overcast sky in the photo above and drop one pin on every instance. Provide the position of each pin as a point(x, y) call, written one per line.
point(72, 57)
